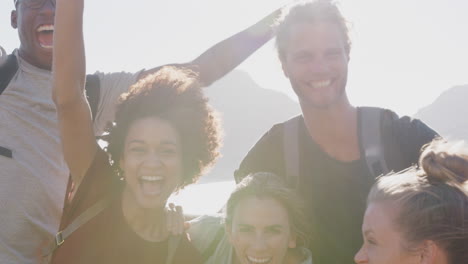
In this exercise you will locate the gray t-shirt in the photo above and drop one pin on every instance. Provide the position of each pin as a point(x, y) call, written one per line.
point(33, 181)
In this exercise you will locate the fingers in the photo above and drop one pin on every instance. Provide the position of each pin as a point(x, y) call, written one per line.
point(175, 219)
point(187, 225)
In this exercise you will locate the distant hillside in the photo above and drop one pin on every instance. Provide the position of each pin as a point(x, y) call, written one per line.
point(247, 112)
point(448, 114)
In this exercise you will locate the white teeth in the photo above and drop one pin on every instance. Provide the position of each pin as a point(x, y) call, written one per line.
point(258, 260)
point(320, 84)
point(152, 178)
point(46, 46)
point(45, 28)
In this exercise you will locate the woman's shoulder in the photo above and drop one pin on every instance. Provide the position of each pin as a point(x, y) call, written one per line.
point(204, 229)
point(299, 256)
point(208, 236)
point(215, 219)
point(307, 256)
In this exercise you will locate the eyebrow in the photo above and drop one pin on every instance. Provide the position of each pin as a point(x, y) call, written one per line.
point(335, 49)
point(301, 53)
point(270, 226)
point(368, 232)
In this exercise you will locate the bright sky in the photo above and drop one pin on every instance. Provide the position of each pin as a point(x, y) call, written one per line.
point(405, 52)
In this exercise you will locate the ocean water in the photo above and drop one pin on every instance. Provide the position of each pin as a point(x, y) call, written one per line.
point(203, 198)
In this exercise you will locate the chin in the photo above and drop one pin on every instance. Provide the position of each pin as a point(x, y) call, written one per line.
point(150, 203)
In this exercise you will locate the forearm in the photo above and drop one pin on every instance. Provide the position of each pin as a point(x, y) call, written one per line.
point(229, 53)
point(223, 57)
point(69, 56)
point(74, 115)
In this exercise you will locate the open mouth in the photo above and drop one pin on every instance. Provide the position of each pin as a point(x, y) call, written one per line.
point(258, 260)
point(151, 185)
point(45, 36)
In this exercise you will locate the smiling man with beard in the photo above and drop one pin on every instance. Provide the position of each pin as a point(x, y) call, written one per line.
point(332, 165)
point(33, 175)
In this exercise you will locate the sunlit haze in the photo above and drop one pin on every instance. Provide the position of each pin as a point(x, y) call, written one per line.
point(404, 54)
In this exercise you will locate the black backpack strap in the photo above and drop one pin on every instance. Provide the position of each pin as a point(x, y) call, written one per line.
point(371, 140)
point(82, 219)
point(8, 69)
point(93, 92)
point(291, 151)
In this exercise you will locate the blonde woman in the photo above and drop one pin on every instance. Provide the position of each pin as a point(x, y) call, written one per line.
point(264, 223)
point(420, 215)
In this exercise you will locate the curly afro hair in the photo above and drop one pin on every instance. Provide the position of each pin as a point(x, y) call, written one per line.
point(174, 95)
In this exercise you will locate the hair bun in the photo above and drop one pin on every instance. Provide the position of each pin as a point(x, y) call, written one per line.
point(444, 161)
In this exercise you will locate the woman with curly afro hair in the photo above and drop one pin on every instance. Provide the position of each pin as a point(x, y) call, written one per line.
point(164, 136)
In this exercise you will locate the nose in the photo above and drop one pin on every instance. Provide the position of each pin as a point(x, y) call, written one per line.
point(361, 256)
point(260, 243)
point(48, 8)
point(319, 65)
point(153, 160)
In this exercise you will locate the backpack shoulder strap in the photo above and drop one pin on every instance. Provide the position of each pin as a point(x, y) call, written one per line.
point(174, 242)
point(291, 150)
point(93, 92)
point(8, 69)
point(82, 219)
point(371, 140)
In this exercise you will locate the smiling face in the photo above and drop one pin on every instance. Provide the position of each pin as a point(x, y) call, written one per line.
point(151, 161)
point(383, 244)
point(35, 30)
point(260, 231)
point(316, 63)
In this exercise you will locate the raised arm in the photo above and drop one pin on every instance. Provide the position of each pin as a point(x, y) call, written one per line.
point(226, 55)
point(69, 68)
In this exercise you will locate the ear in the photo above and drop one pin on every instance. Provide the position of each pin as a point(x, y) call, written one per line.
point(228, 230)
point(430, 253)
point(292, 240)
point(121, 163)
point(14, 19)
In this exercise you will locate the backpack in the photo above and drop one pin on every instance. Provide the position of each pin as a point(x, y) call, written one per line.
point(371, 140)
point(9, 68)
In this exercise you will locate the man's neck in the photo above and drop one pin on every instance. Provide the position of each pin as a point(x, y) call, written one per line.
point(34, 62)
point(334, 129)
